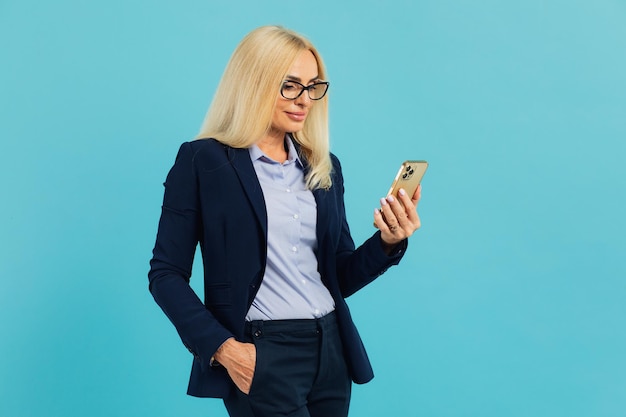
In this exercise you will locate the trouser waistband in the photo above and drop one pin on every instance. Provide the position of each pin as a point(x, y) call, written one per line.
point(293, 325)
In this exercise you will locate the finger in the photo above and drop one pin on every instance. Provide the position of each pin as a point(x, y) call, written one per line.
point(387, 225)
point(410, 209)
point(246, 382)
point(401, 212)
point(398, 228)
point(406, 201)
point(388, 214)
point(386, 234)
point(242, 373)
point(380, 220)
point(417, 195)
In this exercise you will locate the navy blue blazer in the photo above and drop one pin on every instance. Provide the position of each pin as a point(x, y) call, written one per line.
point(213, 197)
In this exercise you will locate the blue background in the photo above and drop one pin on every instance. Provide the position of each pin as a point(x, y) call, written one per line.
point(511, 300)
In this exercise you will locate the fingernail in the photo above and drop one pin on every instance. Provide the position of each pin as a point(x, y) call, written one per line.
point(383, 202)
point(401, 191)
point(376, 211)
point(390, 199)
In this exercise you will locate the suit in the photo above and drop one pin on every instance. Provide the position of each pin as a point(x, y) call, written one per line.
point(213, 197)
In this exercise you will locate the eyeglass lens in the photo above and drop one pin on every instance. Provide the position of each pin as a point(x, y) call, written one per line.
point(292, 90)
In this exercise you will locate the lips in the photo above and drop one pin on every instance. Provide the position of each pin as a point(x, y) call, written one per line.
point(296, 116)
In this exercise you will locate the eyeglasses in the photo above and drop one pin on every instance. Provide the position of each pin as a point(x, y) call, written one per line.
point(291, 90)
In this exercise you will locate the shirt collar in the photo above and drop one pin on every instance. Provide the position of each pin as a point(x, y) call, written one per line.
point(292, 154)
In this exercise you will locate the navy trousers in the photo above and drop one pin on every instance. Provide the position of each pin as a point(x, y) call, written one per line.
point(300, 371)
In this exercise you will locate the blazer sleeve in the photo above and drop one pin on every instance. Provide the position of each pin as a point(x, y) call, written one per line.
point(358, 267)
point(170, 268)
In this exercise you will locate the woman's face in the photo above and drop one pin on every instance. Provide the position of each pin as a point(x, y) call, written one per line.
point(289, 115)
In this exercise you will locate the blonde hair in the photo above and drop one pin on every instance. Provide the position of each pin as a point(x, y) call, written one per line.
point(242, 108)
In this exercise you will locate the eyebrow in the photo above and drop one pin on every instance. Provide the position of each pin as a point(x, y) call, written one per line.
point(298, 79)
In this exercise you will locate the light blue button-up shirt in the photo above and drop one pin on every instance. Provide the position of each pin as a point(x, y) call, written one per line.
point(292, 287)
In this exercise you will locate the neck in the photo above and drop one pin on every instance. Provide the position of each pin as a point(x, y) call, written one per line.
point(274, 146)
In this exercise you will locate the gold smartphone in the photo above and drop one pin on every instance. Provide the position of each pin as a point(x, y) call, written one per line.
point(409, 177)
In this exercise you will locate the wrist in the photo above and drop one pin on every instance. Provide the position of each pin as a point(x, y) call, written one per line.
point(388, 248)
point(393, 249)
point(218, 357)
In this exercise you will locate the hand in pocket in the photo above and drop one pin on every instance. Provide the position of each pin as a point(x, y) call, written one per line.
point(239, 359)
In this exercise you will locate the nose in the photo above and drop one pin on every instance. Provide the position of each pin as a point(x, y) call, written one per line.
point(304, 100)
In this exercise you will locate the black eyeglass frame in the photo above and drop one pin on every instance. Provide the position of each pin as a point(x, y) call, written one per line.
point(309, 87)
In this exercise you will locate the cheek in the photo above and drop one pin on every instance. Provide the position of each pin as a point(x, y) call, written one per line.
point(279, 113)
point(277, 116)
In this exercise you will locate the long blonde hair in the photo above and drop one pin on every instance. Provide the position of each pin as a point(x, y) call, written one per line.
point(242, 108)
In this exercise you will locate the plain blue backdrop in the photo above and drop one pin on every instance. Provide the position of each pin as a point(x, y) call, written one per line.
point(511, 299)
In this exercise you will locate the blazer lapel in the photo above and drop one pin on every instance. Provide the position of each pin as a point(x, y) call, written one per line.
point(322, 214)
point(240, 160)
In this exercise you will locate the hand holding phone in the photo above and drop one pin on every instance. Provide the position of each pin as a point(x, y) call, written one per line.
point(408, 178)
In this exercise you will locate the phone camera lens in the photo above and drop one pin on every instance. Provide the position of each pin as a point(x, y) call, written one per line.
point(404, 176)
point(411, 171)
point(408, 168)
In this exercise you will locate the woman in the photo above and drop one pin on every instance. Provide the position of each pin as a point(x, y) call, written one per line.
point(262, 194)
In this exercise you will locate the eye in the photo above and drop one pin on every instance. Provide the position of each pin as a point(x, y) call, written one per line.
point(289, 86)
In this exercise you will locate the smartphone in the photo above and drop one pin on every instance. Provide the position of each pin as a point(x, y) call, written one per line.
point(409, 177)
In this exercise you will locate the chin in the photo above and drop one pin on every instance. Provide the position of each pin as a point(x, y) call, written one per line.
point(296, 127)
point(293, 128)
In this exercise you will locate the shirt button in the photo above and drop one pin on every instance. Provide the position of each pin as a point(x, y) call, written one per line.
point(288, 190)
point(294, 249)
point(304, 281)
point(295, 216)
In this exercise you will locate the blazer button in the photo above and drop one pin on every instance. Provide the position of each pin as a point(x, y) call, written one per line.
point(257, 333)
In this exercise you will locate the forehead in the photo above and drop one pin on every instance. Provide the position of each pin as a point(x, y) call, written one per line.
point(304, 67)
